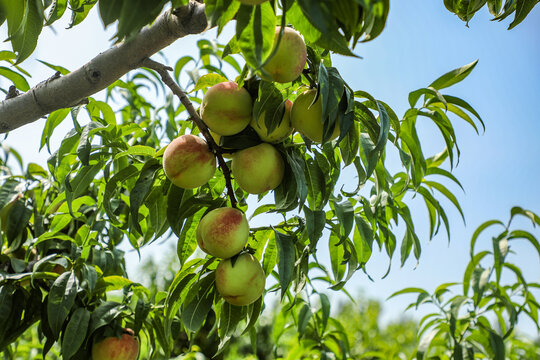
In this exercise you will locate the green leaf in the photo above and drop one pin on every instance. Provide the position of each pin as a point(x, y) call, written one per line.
point(325, 310)
point(523, 8)
point(304, 316)
point(187, 241)
point(363, 239)
point(516, 210)
point(315, 221)
point(6, 304)
point(137, 150)
point(521, 234)
point(57, 10)
point(410, 290)
point(208, 80)
point(53, 120)
point(479, 230)
point(194, 314)
point(60, 300)
point(17, 221)
point(17, 79)
point(296, 162)
point(135, 14)
point(177, 290)
point(470, 269)
point(337, 256)
point(286, 257)
point(229, 318)
point(319, 13)
point(345, 215)
point(79, 14)
point(141, 189)
point(24, 41)
point(75, 333)
point(443, 190)
point(220, 12)
point(104, 314)
point(109, 10)
point(255, 31)
point(497, 345)
point(453, 77)
point(269, 106)
point(175, 198)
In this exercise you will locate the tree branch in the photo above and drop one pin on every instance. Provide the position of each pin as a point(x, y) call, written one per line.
point(163, 71)
point(103, 70)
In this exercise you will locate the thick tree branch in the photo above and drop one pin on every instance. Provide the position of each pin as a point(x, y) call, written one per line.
point(163, 71)
point(103, 70)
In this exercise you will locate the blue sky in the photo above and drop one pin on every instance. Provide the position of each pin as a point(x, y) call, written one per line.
point(422, 40)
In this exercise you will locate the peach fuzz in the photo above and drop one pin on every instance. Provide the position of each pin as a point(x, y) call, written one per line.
point(307, 117)
point(113, 348)
point(226, 108)
point(223, 232)
point(258, 169)
point(243, 283)
point(290, 58)
point(280, 133)
point(188, 162)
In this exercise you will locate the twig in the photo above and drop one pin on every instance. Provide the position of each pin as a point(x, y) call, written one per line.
point(103, 70)
point(163, 71)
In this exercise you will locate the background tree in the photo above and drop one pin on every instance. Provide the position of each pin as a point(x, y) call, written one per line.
point(105, 184)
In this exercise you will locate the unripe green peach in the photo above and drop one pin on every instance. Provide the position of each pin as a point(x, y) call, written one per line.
point(188, 162)
point(243, 283)
point(223, 232)
point(226, 108)
point(307, 118)
point(258, 169)
point(113, 348)
point(252, 2)
point(289, 60)
point(281, 132)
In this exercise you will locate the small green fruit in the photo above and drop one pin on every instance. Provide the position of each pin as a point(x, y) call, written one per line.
point(243, 283)
point(290, 58)
point(226, 108)
point(307, 117)
point(258, 169)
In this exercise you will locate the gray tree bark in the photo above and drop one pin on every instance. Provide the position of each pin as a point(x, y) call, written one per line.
point(107, 67)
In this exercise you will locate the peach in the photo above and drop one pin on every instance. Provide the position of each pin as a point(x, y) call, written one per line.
point(113, 348)
point(258, 169)
point(223, 232)
point(307, 118)
point(280, 133)
point(242, 283)
point(188, 162)
point(290, 58)
point(226, 108)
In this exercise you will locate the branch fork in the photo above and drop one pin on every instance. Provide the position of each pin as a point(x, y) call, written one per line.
point(163, 71)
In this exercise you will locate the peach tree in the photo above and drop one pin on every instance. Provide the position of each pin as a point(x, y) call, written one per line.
point(261, 129)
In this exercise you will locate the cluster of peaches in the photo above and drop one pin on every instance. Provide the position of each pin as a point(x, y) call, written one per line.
point(188, 162)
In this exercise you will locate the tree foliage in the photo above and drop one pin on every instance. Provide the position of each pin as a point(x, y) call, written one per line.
point(61, 226)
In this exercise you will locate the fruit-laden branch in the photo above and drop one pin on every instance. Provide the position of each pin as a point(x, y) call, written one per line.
point(163, 71)
point(72, 89)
